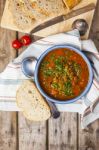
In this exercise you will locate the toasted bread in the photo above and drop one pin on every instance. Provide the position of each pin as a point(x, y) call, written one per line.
point(32, 104)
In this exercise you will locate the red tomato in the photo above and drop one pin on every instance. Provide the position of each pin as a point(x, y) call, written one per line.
point(26, 40)
point(16, 44)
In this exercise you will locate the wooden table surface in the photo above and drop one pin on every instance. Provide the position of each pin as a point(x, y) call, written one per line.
point(17, 133)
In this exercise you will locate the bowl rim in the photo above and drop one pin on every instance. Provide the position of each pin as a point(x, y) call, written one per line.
point(77, 50)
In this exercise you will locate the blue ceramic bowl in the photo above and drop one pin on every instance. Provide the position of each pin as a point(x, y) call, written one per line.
point(56, 100)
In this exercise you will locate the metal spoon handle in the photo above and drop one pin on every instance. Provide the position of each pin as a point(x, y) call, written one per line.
point(55, 113)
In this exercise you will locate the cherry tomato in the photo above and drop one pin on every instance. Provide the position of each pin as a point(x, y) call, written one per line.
point(26, 40)
point(16, 44)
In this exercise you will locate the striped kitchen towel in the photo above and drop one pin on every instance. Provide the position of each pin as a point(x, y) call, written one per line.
point(12, 76)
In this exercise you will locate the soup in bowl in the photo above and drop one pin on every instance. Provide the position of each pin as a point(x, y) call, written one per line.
point(63, 74)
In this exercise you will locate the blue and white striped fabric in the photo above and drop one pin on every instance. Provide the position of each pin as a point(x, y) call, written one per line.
point(12, 76)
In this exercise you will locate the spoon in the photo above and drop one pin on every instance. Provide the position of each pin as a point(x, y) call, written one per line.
point(28, 68)
point(81, 25)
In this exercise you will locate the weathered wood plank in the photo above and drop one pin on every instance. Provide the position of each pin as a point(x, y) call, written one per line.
point(6, 37)
point(63, 132)
point(8, 131)
point(32, 135)
point(89, 137)
point(94, 32)
point(8, 126)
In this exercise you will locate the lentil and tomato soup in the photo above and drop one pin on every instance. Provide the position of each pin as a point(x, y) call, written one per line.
point(63, 74)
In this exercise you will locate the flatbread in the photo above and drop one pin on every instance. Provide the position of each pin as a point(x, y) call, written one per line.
point(47, 7)
point(32, 104)
point(27, 14)
point(20, 19)
point(30, 8)
point(71, 3)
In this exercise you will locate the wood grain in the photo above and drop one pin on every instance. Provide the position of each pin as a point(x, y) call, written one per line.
point(8, 131)
point(94, 32)
point(8, 128)
point(31, 135)
point(7, 53)
point(63, 132)
point(89, 138)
